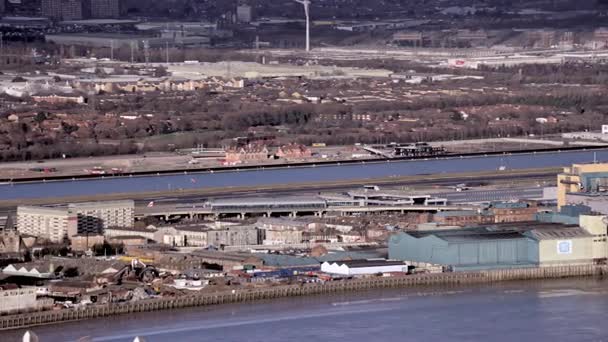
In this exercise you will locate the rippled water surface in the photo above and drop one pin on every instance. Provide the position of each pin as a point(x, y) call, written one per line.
point(565, 310)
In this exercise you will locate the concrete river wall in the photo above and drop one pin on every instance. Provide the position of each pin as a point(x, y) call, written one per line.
point(281, 291)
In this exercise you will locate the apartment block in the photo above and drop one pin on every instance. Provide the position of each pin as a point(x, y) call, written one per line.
point(61, 9)
point(53, 224)
point(94, 217)
point(105, 8)
point(60, 223)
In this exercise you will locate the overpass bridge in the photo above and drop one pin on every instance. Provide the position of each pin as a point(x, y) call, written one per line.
point(168, 212)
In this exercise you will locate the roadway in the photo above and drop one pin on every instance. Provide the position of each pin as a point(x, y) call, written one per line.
point(169, 211)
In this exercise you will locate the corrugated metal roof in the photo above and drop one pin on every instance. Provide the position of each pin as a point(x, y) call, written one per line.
point(484, 237)
point(502, 231)
point(558, 233)
point(470, 234)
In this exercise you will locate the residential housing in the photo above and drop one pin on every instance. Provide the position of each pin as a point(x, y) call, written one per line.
point(244, 154)
point(52, 224)
point(294, 151)
point(94, 217)
point(59, 223)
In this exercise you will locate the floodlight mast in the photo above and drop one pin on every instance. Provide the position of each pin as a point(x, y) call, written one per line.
point(306, 4)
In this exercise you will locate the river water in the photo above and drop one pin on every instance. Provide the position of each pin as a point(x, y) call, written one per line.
point(294, 175)
point(555, 310)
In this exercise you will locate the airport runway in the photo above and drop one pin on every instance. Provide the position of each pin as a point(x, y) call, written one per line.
point(337, 174)
point(437, 183)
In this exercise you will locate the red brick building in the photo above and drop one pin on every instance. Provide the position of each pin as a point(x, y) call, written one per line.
point(249, 153)
point(513, 212)
point(463, 218)
point(294, 151)
point(497, 212)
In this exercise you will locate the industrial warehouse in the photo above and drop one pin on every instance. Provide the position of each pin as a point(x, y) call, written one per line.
point(513, 245)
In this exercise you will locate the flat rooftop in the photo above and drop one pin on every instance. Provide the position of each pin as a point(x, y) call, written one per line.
point(303, 200)
point(387, 193)
point(99, 22)
point(598, 195)
point(117, 36)
point(102, 204)
point(132, 229)
point(18, 18)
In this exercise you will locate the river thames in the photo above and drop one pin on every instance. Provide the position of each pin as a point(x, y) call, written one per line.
point(555, 310)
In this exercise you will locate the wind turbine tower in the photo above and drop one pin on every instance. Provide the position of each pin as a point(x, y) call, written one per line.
point(306, 4)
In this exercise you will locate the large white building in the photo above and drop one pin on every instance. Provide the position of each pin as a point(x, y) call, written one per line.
point(94, 217)
point(17, 299)
point(282, 237)
point(363, 267)
point(60, 223)
point(53, 224)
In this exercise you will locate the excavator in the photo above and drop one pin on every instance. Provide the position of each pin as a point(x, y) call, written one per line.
point(136, 271)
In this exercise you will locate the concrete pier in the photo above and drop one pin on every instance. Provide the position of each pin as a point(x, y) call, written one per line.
point(245, 295)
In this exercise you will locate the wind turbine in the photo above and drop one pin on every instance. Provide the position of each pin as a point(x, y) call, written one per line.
point(306, 4)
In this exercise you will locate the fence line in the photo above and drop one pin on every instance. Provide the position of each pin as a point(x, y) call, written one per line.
point(244, 295)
